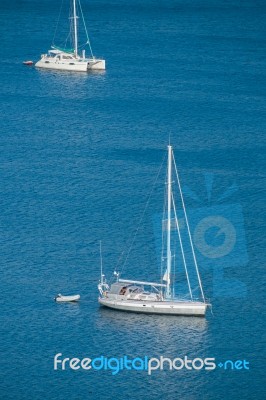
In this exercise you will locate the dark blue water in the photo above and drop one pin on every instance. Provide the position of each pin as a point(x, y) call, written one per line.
point(79, 154)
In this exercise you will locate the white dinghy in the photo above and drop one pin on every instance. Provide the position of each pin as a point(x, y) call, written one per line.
point(159, 298)
point(64, 299)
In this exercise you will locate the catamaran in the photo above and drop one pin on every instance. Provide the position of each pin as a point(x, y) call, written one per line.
point(152, 297)
point(61, 58)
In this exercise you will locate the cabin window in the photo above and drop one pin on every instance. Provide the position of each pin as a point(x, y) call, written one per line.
point(123, 291)
point(137, 290)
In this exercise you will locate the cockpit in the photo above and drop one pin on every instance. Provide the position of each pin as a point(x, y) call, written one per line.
point(123, 289)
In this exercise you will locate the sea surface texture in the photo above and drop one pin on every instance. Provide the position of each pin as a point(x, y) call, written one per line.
point(80, 153)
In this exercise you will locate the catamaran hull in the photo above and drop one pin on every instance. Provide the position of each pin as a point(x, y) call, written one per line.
point(97, 64)
point(80, 66)
point(157, 307)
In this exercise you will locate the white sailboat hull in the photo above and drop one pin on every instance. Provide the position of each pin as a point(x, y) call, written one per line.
point(190, 308)
point(72, 65)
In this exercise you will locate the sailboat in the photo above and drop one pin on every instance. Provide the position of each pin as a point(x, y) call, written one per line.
point(69, 59)
point(151, 297)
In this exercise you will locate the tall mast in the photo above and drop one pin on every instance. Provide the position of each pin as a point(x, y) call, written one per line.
point(101, 260)
point(169, 200)
point(75, 28)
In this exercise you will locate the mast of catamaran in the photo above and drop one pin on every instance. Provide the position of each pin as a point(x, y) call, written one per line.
point(169, 200)
point(75, 28)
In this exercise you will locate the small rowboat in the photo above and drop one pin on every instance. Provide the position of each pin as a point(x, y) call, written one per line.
point(64, 299)
point(28, 62)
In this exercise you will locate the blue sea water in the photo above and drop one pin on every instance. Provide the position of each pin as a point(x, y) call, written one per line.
point(79, 154)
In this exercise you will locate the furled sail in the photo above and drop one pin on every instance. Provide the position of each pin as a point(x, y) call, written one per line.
point(166, 277)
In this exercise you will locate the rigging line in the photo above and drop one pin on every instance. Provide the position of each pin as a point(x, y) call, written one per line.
point(174, 265)
point(182, 249)
point(195, 290)
point(82, 45)
point(174, 270)
point(59, 16)
point(141, 218)
point(112, 279)
point(163, 235)
point(71, 35)
point(67, 40)
point(85, 27)
point(189, 233)
point(101, 259)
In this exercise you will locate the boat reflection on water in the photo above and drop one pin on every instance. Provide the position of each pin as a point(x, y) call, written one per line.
point(154, 333)
point(129, 319)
